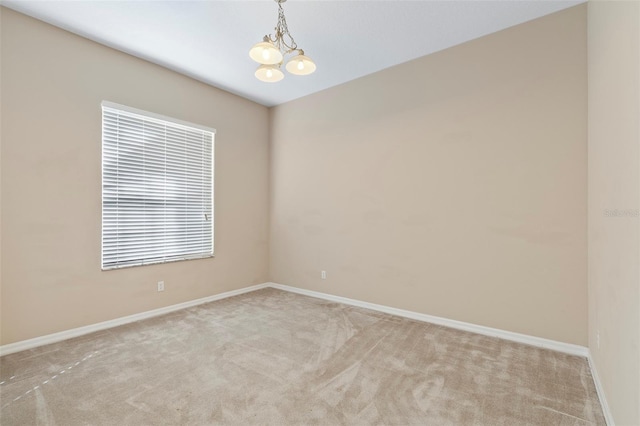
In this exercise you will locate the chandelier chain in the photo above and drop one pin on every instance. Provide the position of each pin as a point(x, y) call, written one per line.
point(282, 31)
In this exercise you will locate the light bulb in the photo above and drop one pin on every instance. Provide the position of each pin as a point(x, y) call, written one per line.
point(269, 73)
point(265, 54)
point(300, 65)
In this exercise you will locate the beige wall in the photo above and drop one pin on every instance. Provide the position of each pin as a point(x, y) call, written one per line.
point(52, 86)
point(453, 185)
point(614, 184)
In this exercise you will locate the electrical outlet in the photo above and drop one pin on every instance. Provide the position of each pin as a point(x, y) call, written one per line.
point(323, 275)
point(160, 285)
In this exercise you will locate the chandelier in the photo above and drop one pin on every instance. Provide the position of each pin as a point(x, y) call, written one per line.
point(270, 53)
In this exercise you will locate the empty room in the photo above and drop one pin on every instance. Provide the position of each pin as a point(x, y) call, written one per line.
point(320, 212)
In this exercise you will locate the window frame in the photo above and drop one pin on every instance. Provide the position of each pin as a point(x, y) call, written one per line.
point(164, 120)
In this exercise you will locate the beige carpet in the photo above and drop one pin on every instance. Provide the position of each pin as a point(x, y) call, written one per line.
point(277, 358)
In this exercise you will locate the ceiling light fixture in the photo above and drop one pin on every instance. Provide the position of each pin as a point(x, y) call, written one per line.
point(270, 53)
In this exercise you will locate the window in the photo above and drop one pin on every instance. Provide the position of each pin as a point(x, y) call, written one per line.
point(157, 188)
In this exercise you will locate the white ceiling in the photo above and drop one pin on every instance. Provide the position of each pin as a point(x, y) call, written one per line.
point(210, 40)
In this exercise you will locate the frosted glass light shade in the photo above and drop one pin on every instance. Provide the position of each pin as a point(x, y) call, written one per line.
point(301, 65)
point(269, 73)
point(265, 53)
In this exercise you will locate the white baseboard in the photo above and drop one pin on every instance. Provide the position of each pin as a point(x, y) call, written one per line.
point(75, 332)
point(460, 325)
point(600, 390)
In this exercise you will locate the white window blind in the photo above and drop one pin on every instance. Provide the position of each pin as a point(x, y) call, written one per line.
point(157, 188)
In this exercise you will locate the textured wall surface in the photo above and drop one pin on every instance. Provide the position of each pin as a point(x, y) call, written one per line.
point(52, 86)
point(614, 203)
point(453, 185)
